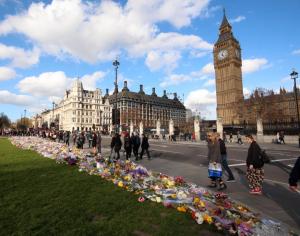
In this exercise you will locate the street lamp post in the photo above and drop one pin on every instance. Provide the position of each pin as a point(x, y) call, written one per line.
point(24, 118)
point(294, 76)
point(116, 64)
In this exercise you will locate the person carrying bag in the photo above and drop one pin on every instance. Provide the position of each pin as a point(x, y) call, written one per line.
point(214, 160)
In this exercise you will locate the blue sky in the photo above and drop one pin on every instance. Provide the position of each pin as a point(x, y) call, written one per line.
point(166, 44)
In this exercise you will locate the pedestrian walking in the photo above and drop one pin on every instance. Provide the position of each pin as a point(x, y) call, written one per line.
point(117, 145)
point(136, 145)
point(223, 152)
point(74, 137)
point(295, 176)
point(94, 142)
point(281, 137)
point(99, 142)
point(214, 159)
point(145, 147)
point(230, 137)
point(255, 171)
point(67, 138)
point(89, 137)
point(127, 146)
point(239, 138)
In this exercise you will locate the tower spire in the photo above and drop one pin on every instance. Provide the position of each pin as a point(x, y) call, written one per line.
point(224, 21)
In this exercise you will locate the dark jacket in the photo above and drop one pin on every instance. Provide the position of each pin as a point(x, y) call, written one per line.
point(145, 143)
point(222, 147)
point(136, 141)
point(118, 143)
point(214, 154)
point(254, 157)
point(127, 143)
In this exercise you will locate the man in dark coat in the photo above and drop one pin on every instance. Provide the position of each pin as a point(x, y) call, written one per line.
point(136, 142)
point(224, 159)
point(295, 176)
point(127, 146)
point(117, 145)
point(145, 147)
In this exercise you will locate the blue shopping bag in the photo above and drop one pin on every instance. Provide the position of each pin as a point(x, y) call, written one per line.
point(214, 170)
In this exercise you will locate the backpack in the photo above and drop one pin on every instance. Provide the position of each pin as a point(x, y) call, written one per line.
point(264, 157)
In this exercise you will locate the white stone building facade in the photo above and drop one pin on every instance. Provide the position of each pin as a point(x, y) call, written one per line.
point(79, 109)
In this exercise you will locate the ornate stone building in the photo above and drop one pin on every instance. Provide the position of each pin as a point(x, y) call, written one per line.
point(139, 107)
point(79, 109)
point(232, 108)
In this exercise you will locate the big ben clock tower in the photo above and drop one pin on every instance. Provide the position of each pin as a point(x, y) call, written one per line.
point(228, 73)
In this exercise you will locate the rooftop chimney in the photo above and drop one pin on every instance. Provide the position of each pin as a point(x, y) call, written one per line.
point(106, 94)
point(175, 96)
point(125, 87)
point(153, 92)
point(165, 94)
point(141, 89)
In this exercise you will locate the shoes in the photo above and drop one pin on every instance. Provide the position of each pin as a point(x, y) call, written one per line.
point(293, 188)
point(230, 180)
point(222, 187)
point(256, 191)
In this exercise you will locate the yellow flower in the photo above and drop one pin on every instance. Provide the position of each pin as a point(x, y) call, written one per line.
point(181, 209)
point(120, 184)
point(196, 200)
point(207, 218)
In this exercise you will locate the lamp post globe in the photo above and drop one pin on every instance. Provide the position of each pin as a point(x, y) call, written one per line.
point(294, 76)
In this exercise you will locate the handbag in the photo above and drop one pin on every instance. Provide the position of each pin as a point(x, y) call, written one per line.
point(214, 170)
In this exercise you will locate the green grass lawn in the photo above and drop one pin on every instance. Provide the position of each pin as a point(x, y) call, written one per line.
point(40, 197)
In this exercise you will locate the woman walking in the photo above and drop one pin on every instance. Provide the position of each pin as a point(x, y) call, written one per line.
point(255, 171)
point(214, 159)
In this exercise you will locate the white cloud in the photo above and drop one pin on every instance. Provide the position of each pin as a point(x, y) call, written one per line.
point(156, 60)
point(210, 82)
point(19, 57)
point(252, 65)
point(54, 84)
point(99, 31)
point(296, 52)
point(7, 97)
point(246, 92)
point(7, 73)
point(202, 100)
point(46, 84)
point(175, 79)
point(90, 81)
point(237, 19)
point(208, 69)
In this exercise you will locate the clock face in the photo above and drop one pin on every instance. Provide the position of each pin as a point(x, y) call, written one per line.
point(237, 53)
point(222, 54)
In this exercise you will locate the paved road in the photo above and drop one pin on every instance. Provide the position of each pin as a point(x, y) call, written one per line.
point(190, 161)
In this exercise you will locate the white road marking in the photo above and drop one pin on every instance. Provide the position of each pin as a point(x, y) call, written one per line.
point(200, 155)
point(278, 160)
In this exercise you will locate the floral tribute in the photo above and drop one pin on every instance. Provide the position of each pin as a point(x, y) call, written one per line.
point(204, 206)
